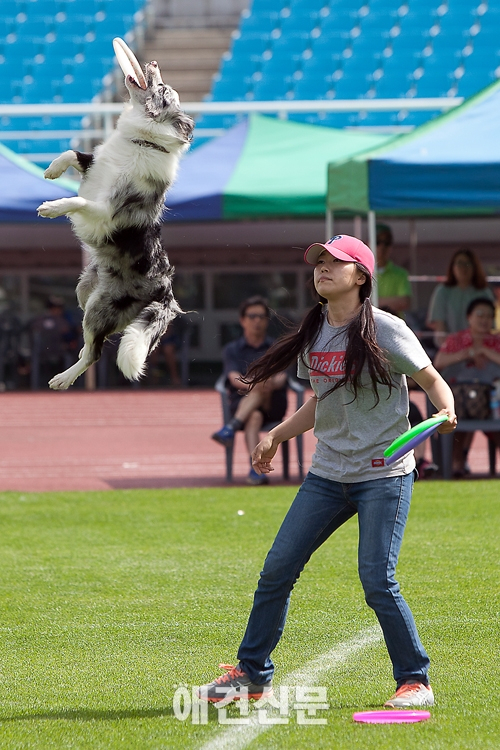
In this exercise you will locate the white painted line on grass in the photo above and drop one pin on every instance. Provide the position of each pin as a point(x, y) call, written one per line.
point(238, 737)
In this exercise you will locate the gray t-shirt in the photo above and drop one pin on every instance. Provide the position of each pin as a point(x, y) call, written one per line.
point(351, 434)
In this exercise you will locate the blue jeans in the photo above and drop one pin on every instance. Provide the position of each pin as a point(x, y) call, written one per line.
point(320, 507)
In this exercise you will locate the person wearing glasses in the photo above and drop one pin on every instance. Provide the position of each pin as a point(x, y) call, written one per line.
point(394, 288)
point(265, 403)
point(465, 281)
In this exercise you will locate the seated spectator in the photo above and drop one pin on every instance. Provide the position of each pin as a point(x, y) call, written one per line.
point(465, 281)
point(394, 288)
point(470, 362)
point(54, 339)
point(496, 292)
point(168, 344)
point(266, 402)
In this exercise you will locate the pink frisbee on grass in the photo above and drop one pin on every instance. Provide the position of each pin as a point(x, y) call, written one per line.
point(398, 716)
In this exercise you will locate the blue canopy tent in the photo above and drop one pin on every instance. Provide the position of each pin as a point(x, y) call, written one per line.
point(449, 167)
point(23, 188)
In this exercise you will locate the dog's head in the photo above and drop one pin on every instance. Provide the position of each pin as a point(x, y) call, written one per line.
point(158, 101)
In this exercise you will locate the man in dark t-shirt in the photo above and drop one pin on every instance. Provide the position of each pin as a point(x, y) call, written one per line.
point(264, 403)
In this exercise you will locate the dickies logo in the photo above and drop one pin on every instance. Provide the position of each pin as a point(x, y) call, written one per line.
point(377, 462)
point(327, 363)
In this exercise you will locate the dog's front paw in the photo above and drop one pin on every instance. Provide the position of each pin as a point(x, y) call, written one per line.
point(54, 171)
point(60, 382)
point(53, 209)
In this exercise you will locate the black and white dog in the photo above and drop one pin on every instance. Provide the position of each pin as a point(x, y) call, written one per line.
point(117, 216)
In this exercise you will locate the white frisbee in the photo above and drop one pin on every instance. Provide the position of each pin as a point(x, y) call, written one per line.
point(128, 62)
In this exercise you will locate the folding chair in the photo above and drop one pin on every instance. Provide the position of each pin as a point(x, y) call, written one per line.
point(294, 386)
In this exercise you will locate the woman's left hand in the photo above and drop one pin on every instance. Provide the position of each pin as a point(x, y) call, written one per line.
point(448, 426)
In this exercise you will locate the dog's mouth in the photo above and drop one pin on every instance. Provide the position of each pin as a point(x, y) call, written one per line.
point(129, 63)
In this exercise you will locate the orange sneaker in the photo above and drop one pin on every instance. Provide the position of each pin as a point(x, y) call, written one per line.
point(233, 686)
point(410, 695)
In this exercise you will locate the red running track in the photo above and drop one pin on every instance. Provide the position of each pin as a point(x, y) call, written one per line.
point(124, 439)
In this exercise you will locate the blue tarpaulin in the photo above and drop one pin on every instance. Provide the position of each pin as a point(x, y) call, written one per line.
point(23, 188)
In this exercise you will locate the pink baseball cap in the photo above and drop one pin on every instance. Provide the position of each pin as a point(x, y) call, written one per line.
point(343, 247)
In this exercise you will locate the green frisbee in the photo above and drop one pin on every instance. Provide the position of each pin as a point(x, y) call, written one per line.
point(414, 432)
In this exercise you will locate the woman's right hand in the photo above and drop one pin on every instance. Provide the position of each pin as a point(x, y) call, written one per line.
point(264, 453)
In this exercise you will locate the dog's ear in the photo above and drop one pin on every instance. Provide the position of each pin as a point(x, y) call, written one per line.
point(184, 126)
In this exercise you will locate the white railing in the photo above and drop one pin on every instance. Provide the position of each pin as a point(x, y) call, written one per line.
point(102, 115)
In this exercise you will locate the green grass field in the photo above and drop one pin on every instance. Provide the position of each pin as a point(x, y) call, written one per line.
point(110, 601)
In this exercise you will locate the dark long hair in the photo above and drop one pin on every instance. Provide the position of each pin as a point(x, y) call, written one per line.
point(362, 347)
point(478, 280)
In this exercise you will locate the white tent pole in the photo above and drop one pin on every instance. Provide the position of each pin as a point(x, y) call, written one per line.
point(413, 260)
point(329, 224)
point(372, 242)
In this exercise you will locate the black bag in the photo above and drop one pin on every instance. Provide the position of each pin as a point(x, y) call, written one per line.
point(472, 400)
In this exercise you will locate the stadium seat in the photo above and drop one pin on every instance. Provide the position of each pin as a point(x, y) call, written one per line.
point(229, 90)
point(314, 88)
point(327, 119)
point(259, 25)
point(216, 121)
point(473, 81)
point(271, 87)
point(249, 49)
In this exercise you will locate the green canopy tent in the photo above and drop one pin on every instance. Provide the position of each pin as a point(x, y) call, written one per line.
point(262, 168)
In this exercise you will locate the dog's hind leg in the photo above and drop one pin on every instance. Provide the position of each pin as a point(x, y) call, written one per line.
point(86, 284)
point(90, 353)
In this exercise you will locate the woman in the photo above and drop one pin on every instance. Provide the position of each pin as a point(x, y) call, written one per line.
point(357, 359)
point(465, 280)
point(470, 362)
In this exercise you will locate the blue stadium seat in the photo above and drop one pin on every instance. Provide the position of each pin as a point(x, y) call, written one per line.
point(249, 49)
point(413, 119)
point(393, 87)
point(216, 121)
point(338, 22)
point(351, 86)
point(473, 81)
point(229, 90)
point(51, 146)
point(297, 23)
point(328, 119)
point(376, 24)
point(236, 68)
point(273, 88)
point(314, 88)
point(266, 6)
point(307, 7)
point(370, 119)
point(260, 26)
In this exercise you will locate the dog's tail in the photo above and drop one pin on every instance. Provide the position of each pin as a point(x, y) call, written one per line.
point(143, 335)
